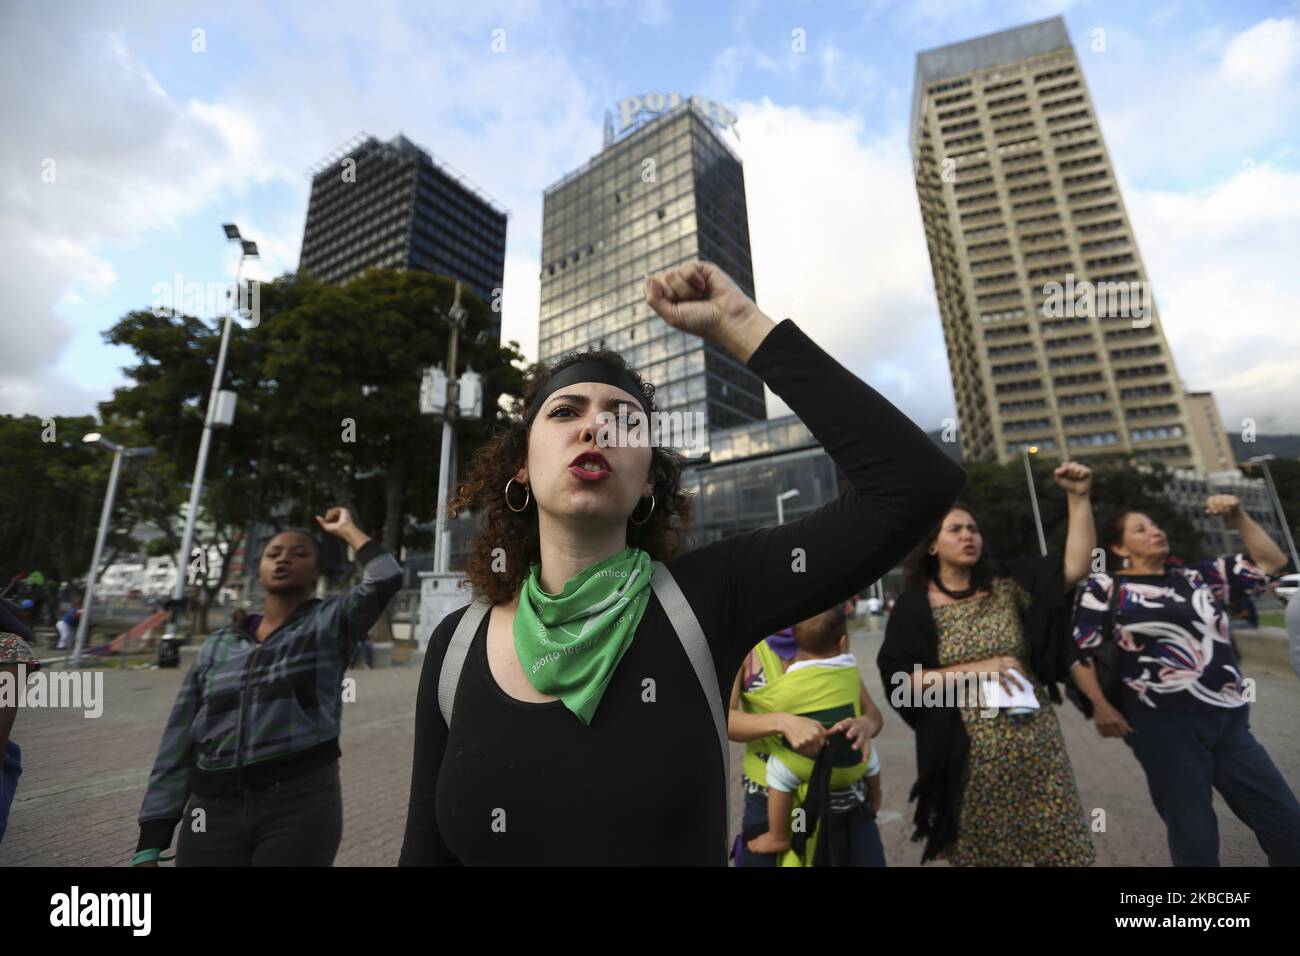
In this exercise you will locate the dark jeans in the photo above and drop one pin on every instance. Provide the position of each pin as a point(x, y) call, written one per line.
point(1185, 755)
point(11, 768)
point(297, 822)
point(859, 842)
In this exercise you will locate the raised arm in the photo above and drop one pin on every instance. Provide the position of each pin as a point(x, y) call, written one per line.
point(755, 583)
point(1081, 533)
point(357, 609)
point(1263, 550)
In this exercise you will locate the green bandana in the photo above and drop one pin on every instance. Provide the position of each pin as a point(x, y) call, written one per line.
point(569, 643)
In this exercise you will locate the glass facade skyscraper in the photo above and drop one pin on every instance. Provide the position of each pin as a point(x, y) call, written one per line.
point(667, 192)
point(392, 205)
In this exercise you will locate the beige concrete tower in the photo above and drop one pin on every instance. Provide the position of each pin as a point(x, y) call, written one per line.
point(1209, 433)
point(1053, 336)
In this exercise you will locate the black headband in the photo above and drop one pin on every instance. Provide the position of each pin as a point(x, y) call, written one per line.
point(588, 370)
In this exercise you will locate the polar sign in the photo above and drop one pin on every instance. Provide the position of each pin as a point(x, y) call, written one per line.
point(634, 109)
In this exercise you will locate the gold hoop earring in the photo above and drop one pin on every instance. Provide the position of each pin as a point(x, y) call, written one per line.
point(527, 497)
point(647, 517)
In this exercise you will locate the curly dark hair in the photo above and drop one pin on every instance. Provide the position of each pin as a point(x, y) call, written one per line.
point(515, 534)
point(920, 567)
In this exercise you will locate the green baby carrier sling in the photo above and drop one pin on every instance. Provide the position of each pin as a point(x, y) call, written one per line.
point(825, 694)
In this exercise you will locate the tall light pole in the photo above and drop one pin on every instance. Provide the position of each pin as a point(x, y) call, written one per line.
point(219, 412)
point(780, 503)
point(1025, 452)
point(95, 438)
point(1262, 461)
point(452, 405)
point(443, 392)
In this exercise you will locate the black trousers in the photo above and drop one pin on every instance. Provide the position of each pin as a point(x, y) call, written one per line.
point(297, 822)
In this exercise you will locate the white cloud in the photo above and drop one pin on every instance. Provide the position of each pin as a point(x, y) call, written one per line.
point(521, 302)
point(127, 159)
point(1208, 103)
point(134, 160)
point(1263, 57)
point(1222, 265)
point(838, 247)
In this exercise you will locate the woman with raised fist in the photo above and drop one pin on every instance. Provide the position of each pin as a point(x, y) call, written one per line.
point(589, 684)
point(1184, 709)
point(249, 762)
point(994, 782)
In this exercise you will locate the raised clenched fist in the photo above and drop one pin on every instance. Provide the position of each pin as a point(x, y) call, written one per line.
point(1075, 478)
point(337, 521)
point(697, 297)
point(1226, 506)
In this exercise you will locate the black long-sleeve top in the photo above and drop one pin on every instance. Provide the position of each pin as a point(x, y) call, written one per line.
point(519, 783)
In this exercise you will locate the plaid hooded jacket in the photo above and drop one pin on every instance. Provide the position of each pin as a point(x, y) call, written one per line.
point(250, 714)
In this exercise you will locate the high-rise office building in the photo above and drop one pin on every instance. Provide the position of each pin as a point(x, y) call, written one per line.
point(1208, 432)
point(667, 191)
point(1053, 337)
point(392, 205)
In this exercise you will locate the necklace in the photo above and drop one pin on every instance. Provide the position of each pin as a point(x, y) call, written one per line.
point(955, 595)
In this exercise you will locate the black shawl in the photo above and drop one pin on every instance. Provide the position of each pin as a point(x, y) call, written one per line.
point(942, 745)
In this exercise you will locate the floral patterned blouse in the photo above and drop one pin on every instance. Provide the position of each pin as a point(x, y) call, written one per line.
point(14, 650)
point(1172, 631)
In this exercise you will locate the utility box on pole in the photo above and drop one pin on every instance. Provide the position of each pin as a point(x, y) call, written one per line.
point(433, 391)
point(223, 414)
point(469, 394)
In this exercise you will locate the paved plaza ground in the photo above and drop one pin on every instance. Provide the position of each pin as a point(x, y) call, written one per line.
point(84, 779)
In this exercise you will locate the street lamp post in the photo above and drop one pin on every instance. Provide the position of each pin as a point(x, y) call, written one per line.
point(455, 318)
point(87, 602)
point(453, 397)
point(780, 503)
point(456, 403)
point(167, 656)
point(1025, 452)
point(1262, 461)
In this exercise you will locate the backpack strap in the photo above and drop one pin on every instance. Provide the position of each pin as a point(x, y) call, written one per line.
point(697, 649)
point(457, 650)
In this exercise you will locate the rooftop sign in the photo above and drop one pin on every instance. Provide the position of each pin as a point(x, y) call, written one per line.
point(635, 111)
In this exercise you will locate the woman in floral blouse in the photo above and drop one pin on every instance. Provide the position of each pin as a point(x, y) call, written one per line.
point(1184, 713)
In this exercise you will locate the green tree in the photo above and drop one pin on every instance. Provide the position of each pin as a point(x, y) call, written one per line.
point(999, 496)
point(342, 369)
point(52, 496)
point(328, 384)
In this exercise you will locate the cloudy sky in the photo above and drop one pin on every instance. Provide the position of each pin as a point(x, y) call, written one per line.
point(134, 130)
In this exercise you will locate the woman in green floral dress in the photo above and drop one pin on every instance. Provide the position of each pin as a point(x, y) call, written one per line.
point(995, 787)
